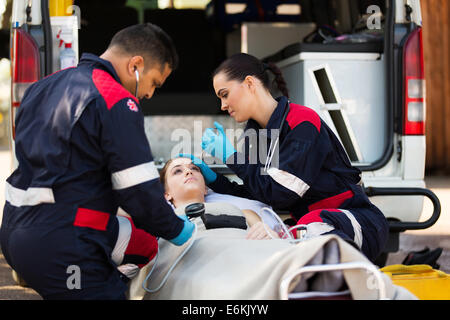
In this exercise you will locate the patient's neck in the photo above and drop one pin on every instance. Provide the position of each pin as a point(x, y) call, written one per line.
point(181, 203)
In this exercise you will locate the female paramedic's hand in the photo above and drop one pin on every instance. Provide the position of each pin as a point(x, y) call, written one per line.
point(209, 175)
point(217, 145)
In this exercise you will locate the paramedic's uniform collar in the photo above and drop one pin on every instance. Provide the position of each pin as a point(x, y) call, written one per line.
point(92, 59)
point(277, 115)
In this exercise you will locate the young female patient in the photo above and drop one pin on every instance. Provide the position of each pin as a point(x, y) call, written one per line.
point(184, 184)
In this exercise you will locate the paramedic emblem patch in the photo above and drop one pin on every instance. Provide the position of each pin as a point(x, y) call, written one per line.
point(132, 105)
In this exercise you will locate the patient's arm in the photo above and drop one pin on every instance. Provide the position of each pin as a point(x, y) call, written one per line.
point(258, 229)
point(261, 231)
point(251, 217)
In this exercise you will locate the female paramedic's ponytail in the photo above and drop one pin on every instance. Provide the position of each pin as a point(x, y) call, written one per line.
point(281, 83)
point(241, 65)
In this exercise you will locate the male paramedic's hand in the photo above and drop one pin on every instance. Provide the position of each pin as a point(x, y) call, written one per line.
point(186, 232)
point(209, 175)
point(217, 145)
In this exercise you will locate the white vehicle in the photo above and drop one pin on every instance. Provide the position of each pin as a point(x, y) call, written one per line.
point(358, 63)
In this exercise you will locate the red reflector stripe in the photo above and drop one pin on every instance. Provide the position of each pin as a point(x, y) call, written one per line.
point(332, 202)
point(91, 219)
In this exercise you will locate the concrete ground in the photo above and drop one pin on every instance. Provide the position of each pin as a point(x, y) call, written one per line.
point(436, 236)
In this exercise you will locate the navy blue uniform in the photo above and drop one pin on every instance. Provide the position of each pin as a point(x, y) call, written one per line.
point(82, 153)
point(314, 179)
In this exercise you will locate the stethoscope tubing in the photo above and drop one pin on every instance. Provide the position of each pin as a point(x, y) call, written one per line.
point(271, 150)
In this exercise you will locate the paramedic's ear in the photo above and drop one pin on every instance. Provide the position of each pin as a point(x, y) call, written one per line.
point(250, 83)
point(136, 63)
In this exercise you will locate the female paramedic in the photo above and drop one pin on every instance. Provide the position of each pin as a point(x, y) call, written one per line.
point(313, 179)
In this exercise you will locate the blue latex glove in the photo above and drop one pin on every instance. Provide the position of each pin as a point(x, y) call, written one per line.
point(186, 232)
point(217, 145)
point(209, 175)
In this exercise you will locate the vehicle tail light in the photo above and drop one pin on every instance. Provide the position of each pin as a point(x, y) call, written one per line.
point(414, 80)
point(25, 68)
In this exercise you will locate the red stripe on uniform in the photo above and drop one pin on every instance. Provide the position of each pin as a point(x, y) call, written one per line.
point(111, 91)
point(97, 220)
point(298, 114)
point(313, 216)
point(331, 202)
point(310, 217)
point(141, 244)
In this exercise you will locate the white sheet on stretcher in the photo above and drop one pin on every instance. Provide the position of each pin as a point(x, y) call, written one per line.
point(221, 264)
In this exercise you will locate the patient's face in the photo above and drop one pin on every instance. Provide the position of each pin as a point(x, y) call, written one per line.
point(184, 181)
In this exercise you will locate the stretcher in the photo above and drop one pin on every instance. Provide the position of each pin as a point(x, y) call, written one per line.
point(222, 265)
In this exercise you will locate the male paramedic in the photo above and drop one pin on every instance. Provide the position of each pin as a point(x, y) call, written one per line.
point(82, 153)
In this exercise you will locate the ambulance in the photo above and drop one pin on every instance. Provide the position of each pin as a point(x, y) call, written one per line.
point(358, 63)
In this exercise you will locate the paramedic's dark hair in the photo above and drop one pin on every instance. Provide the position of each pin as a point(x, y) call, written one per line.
point(241, 65)
point(149, 41)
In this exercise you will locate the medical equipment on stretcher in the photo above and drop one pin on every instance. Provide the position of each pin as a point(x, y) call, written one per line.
point(215, 221)
point(280, 227)
point(195, 210)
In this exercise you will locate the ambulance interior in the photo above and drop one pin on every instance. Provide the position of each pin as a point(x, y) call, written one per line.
point(205, 33)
